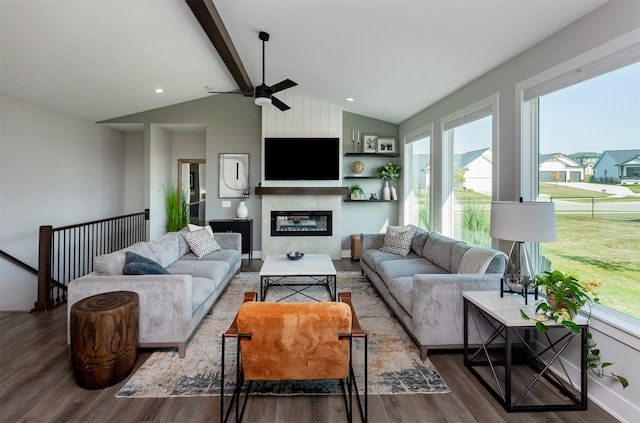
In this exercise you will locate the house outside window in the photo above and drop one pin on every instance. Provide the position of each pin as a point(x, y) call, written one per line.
point(586, 134)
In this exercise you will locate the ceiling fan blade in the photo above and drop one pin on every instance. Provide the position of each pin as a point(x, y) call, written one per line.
point(229, 92)
point(283, 85)
point(279, 104)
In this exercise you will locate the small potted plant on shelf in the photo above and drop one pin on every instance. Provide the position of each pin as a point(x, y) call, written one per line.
point(565, 295)
point(356, 192)
point(389, 171)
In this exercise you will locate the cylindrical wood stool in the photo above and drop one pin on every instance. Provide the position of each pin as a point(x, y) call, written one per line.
point(104, 338)
point(355, 247)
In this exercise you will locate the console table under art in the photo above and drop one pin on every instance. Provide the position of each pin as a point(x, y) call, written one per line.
point(297, 276)
point(515, 361)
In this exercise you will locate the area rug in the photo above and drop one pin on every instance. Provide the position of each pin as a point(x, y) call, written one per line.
point(394, 364)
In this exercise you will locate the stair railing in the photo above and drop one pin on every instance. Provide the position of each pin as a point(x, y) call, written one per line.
point(67, 253)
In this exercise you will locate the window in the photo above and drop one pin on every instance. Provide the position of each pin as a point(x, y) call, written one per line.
point(468, 185)
point(418, 174)
point(587, 134)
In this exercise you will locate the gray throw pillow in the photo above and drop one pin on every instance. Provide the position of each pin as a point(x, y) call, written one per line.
point(136, 264)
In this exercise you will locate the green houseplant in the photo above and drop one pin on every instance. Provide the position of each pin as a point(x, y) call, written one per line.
point(565, 295)
point(389, 171)
point(356, 192)
point(177, 210)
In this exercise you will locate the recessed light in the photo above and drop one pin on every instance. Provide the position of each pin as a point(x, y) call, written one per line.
point(158, 90)
point(349, 99)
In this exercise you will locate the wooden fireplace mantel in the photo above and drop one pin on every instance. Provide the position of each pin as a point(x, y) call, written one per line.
point(302, 190)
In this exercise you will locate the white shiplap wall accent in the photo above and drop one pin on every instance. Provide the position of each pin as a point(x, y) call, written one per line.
point(307, 118)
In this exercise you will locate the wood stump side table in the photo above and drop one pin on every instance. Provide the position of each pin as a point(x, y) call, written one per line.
point(104, 338)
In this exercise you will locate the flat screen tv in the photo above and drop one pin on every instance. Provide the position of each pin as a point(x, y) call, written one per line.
point(301, 159)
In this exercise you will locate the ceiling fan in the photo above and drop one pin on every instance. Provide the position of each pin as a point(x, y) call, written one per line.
point(263, 94)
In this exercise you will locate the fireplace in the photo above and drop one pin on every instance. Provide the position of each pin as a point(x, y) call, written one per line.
point(301, 223)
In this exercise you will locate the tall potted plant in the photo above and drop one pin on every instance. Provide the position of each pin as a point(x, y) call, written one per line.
point(565, 295)
point(177, 210)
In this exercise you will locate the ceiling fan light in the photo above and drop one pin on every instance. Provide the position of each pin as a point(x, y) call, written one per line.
point(262, 101)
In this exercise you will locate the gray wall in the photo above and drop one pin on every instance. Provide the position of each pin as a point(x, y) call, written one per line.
point(378, 215)
point(55, 170)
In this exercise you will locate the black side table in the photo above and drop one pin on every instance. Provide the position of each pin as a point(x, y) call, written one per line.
point(514, 361)
point(242, 226)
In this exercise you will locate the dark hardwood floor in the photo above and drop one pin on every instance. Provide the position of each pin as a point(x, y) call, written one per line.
point(37, 385)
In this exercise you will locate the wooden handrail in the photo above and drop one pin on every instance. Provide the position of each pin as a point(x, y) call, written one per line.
point(66, 253)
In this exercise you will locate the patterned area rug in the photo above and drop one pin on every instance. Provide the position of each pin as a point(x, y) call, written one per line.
point(394, 364)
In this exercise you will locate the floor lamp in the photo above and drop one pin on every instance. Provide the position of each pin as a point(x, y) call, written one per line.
point(522, 222)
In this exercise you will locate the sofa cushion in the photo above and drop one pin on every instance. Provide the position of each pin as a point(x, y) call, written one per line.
point(391, 269)
point(419, 238)
point(212, 269)
point(165, 249)
point(438, 250)
point(113, 263)
point(398, 239)
point(402, 291)
point(201, 242)
point(136, 264)
point(458, 250)
point(201, 290)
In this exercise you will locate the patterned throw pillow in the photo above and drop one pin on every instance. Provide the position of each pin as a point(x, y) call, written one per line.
point(201, 242)
point(398, 239)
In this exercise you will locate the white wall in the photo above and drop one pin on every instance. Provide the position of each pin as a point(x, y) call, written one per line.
point(158, 150)
point(134, 199)
point(55, 170)
point(610, 22)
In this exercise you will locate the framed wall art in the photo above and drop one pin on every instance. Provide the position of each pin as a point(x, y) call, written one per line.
point(386, 145)
point(234, 175)
point(369, 143)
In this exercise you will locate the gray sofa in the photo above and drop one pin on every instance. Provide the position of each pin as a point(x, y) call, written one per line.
point(424, 289)
point(171, 306)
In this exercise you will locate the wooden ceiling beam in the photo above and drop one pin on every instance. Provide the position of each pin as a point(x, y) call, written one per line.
point(211, 22)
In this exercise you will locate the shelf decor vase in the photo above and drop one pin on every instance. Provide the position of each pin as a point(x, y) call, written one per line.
point(242, 212)
point(386, 191)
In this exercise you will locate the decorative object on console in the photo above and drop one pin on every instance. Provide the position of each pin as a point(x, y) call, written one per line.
point(242, 212)
point(522, 222)
point(357, 167)
point(369, 143)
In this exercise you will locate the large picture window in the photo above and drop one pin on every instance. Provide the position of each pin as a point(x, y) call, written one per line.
point(468, 184)
point(587, 136)
point(418, 174)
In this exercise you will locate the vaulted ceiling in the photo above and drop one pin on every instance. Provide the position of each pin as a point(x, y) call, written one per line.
point(100, 59)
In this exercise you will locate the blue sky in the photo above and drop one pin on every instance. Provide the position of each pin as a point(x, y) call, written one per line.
point(602, 113)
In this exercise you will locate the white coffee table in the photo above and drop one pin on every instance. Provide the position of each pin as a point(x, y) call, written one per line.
point(315, 269)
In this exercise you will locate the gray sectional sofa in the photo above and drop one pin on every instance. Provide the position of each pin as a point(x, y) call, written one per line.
point(424, 288)
point(171, 306)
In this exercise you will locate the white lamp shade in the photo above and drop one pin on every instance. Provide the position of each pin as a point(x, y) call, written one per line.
point(262, 101)
point(523, 221)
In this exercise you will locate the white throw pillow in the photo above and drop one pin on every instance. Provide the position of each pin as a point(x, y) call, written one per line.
point(193, 228)
point(398, 239)
point(201, 242)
